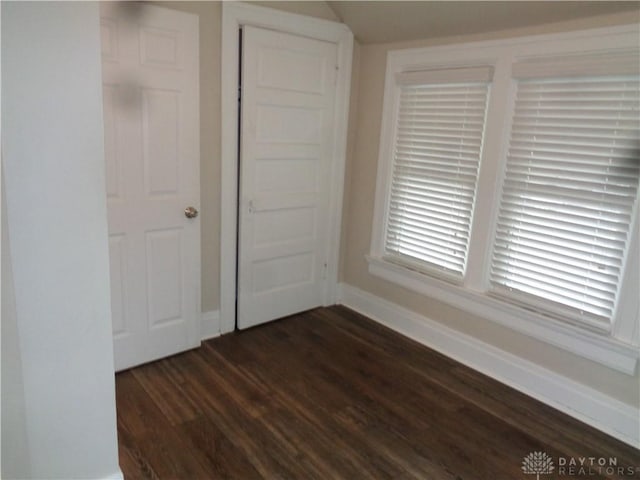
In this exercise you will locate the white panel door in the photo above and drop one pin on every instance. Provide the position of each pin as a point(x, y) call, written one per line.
point(151, 116)
point(288, 89)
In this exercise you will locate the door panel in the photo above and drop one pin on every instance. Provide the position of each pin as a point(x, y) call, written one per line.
point(160, 141)
point(164, 277)
point(118, 261)
point(150, 79)
point(287, 112)
point(113, 164)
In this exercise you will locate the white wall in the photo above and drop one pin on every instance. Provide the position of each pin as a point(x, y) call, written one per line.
point(55, 192)
point(15, 452)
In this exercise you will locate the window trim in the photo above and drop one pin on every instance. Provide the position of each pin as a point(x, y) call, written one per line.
point(617, 348)
point(588, 344)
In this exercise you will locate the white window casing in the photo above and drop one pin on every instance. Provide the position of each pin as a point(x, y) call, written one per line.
point(619, 62)
point(568, 188)
point(444, 76)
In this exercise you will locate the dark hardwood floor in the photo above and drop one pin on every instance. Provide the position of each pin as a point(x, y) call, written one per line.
point(329, 394)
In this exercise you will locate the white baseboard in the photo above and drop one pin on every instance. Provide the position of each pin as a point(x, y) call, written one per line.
point(590, 406)
point(210, 324)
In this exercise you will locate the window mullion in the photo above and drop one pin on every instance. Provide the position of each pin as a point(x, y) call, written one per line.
point(489, 177)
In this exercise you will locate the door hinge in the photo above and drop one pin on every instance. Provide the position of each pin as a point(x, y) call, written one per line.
point(325, 268)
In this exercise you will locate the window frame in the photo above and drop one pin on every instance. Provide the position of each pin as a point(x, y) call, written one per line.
point(408, 262)
point(530, 301)
point(617, 348)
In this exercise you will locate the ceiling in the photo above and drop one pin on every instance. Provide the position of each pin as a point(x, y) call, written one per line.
point(393, 21)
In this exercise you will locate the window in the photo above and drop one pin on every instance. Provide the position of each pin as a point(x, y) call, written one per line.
point(569, 192)
point(438, 142)
point(508, 183)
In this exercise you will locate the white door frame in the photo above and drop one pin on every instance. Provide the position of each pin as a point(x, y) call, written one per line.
point(235, 15)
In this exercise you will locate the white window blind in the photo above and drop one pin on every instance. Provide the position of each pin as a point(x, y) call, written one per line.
point(438, 145)
point(568, 196)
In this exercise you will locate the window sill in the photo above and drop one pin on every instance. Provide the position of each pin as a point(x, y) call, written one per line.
point(597, 347)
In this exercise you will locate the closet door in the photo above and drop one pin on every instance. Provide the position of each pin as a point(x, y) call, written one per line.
point(287, 102)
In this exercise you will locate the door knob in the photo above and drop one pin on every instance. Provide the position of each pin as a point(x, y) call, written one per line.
point(190, 212)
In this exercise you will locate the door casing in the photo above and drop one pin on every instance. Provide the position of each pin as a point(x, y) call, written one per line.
point(234, 16)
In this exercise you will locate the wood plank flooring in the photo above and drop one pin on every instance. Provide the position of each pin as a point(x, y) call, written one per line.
point(330, 394)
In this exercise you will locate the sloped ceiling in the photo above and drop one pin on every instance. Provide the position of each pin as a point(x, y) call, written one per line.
point(392, 21)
